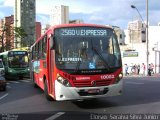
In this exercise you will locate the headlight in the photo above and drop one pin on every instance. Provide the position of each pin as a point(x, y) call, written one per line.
point(63, 81)
point(10, 70)
point(119, 77)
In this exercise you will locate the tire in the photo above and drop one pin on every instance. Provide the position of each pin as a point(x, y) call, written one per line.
point(48, 97)
point(35, 85)
point(21, 77)
point(4, 88)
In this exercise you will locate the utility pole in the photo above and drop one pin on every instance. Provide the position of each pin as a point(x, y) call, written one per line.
point(147, 52)
point(147, 41)
point(15, 20)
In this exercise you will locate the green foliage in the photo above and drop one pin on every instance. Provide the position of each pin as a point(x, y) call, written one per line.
point(19, 32)
point(9, 33)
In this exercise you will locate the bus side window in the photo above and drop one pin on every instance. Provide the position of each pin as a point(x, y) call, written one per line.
point(4, 59)
point(40, 49)
point(36, 51)
point(44, 43)
point(1, 57)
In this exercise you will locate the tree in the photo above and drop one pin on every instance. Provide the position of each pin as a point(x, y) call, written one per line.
point(2, 38)
point(8, 34)
point(19, 32)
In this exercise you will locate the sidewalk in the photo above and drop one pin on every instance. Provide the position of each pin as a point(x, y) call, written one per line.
point(135, 75)
point(156, 75)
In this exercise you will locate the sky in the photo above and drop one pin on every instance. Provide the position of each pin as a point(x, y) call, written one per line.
point(105, 12)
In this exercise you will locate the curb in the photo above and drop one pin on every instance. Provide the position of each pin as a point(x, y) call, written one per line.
point(134, 76)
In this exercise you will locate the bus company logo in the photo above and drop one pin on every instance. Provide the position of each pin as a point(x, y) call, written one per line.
point(93, 83)
point(107, 77)
point(83, 78)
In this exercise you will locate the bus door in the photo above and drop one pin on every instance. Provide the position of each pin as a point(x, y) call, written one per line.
point(41, 62)
point(36, 70)
point(51, 69)
point(35, 64)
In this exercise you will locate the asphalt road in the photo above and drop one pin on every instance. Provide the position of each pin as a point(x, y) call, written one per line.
point(140, 96)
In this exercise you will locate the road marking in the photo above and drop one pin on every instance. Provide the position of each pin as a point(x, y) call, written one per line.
point(136, 83)
point(8, 86)
point(55, 116)
point(3, 96)
point(25, 81)
point(14, 82)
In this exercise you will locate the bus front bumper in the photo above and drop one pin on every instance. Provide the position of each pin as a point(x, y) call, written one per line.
point(75, 93)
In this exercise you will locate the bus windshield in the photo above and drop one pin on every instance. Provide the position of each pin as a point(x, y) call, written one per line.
point(85, 48)
point(18, 59)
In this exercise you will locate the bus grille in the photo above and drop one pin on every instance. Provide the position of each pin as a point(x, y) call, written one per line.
point(89, 83)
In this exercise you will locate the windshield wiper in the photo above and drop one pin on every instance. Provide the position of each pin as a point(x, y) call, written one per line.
point(77, 66)
point(101, 57)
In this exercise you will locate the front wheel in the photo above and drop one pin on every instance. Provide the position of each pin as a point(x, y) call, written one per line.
point(3, 88)
point(49, 98)
point(21, 77)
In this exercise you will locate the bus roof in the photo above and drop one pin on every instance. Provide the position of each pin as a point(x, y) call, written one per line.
point(79, 25)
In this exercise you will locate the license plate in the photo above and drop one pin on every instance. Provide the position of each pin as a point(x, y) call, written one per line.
point(93, 91)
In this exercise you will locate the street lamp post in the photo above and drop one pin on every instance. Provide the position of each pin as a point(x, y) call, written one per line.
point(147, 51)
point(134, 7)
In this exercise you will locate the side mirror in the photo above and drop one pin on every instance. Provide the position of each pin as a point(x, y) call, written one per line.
point(52, 42)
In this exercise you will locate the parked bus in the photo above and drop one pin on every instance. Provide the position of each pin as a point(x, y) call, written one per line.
point(76, 62)
point(16, 64)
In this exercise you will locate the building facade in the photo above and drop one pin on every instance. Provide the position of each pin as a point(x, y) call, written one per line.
point(38, 30)
point(24, 12)
point(7, 33)
point(59, 15)
point(137, 31)
point(134, 51)
point(77, 21)
point(120, 35)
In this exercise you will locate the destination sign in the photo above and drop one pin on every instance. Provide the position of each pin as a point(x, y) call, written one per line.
point(17, 53)
point(69, 59)
point(130, 54)
point(83, 32)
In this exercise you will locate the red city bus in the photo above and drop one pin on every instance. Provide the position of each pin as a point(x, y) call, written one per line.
point(76, 62)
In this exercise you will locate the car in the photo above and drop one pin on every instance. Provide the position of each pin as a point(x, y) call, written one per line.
point(3, 82)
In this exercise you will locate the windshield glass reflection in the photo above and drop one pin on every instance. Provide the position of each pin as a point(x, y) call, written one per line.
point(18, 60)
point(87, 51)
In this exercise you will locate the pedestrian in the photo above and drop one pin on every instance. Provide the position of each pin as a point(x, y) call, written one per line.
point(149, 69)
point(138, 69)
point(133, 69)
point(152, 68)
point(143, 69)
point(126, 70)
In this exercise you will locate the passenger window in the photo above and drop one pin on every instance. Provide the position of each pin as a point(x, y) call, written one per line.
point(44, 47)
